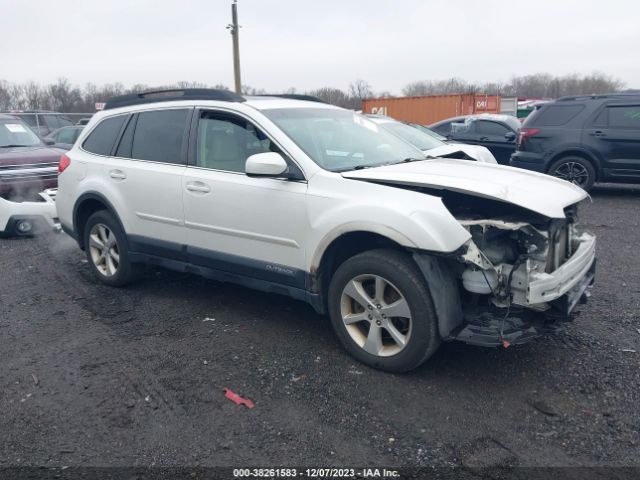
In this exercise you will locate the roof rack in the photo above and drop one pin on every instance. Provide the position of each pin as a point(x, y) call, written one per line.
point(172, 95)
point(598, 95)
point(294, 96)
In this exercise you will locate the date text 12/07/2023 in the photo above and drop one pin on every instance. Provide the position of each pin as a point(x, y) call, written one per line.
point(315, 473)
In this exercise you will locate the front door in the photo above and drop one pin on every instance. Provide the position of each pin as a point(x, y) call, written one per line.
point(499, 139)
point(253, 227)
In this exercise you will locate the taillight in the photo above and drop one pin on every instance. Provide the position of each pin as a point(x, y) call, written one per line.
point(64, 163)
point(525, 133)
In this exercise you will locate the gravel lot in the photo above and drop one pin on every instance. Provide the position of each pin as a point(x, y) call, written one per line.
point(97, 376)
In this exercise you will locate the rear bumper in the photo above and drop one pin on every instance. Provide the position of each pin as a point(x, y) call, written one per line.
point(529, 161)
point(42, 213)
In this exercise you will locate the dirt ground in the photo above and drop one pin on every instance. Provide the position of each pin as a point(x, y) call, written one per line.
point(95, 376)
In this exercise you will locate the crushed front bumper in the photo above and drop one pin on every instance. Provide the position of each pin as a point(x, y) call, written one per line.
point(40, 214)
point(546, 287)
point(560, 292)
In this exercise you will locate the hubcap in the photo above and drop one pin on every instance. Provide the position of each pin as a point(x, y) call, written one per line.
point(573, 172)
point(376, 315)
point(104, 251)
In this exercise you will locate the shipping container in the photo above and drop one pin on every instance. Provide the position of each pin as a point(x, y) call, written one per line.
point(430, 109)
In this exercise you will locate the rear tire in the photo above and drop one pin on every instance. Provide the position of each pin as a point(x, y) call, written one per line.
point(576, 170)
point(382, 311)
point(107, 250)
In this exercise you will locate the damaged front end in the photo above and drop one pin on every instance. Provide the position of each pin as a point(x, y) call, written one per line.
point(521, 279)
point(25, 217)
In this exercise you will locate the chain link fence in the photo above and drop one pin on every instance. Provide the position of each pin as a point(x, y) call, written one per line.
point(43, 123)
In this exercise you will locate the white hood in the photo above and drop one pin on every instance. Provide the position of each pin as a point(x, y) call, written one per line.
point(534, 191)
point(477, 152)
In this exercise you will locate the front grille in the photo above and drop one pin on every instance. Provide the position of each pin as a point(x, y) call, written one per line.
point(28, 172)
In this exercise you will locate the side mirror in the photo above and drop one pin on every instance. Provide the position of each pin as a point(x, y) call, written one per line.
point(267, 164)
point(510, 136)
point(49, 142)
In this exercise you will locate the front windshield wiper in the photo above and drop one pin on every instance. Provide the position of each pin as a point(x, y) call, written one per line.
point(405, 160)
point(15, 145)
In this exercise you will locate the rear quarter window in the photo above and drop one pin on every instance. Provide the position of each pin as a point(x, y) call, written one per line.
point(556, 115)
point(103, 137)
point(627, 116)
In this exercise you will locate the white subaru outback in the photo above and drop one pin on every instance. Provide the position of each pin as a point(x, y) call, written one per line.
point(319, 203)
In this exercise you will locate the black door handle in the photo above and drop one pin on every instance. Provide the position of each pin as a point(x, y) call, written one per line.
point(598, 133)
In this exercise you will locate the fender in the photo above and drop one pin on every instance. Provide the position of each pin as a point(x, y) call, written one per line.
point(590, 153)
point(350, 227)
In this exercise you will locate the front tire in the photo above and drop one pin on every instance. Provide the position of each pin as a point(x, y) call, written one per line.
point(382, 311)
point(107, 250)
point(576, 170)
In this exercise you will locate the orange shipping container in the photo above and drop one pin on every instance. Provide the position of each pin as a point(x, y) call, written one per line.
point(429, 109)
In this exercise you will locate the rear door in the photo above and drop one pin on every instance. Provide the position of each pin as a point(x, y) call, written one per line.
point(615, 133)
point(250, 226)
point(144, 176)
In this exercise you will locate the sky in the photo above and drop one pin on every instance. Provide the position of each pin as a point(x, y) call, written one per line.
point(308, 44)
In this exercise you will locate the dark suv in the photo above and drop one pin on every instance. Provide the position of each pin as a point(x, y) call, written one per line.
point(583, 139)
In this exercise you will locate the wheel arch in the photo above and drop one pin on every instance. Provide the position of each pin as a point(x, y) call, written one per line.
point(577, 152)
point(86, 205)
point(337, 247)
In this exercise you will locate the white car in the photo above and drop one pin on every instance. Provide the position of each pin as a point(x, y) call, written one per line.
point(432, 146)
point(322, 204)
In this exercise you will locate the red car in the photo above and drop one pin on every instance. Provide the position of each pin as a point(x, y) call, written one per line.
point(27, 165)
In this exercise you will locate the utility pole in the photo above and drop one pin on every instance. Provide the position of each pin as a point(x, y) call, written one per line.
point(234, 28)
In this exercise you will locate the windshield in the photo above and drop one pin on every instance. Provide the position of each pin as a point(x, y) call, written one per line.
point(14, 133)
point(412, 135)
point(339, 140)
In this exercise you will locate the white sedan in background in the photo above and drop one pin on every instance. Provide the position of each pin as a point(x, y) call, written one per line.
point(432, 146)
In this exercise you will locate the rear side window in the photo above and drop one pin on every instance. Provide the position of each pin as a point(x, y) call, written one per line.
point(159, 135)
point(102, 138)
point(557, 115)
point(490, 128)
point(444, 129)
point(624, 117)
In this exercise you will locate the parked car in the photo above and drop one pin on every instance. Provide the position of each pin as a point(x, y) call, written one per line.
point(428, 131)
point(319, 203)
point(583, 139)
point(496, 132)
point(27, 167)
point(430, 145)
point(44, 122)
point(64, 137)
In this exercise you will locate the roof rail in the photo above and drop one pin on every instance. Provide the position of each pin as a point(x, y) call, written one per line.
point(294, 96)
point(172, 95)
point(598, 95)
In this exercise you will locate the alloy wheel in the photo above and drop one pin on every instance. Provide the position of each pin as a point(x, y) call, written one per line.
point(573, 172)
point(376, 315)
point(103, 247)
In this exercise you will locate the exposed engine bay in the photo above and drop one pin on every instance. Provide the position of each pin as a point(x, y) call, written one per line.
point(521, 274)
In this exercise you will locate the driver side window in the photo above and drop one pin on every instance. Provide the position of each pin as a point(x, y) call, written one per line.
point(224, 142)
